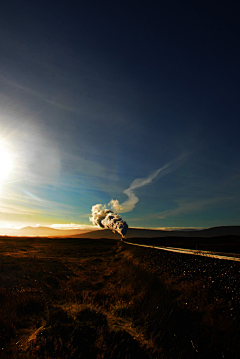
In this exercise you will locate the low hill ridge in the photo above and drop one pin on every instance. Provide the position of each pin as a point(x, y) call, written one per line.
point(152, 233)
point(132, 232)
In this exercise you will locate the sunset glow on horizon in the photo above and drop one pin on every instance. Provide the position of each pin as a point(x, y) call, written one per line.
point(131, 107)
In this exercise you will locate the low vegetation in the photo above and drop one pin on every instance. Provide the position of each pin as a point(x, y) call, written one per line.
point(78, 298)
point(229, 244)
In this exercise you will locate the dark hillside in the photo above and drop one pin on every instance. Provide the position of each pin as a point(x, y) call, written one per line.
point(223, 244)
point(151, 233)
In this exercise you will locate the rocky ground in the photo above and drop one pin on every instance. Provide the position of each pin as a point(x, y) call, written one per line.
point(218, 280)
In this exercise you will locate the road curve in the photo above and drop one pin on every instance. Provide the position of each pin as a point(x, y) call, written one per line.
point(190, 251)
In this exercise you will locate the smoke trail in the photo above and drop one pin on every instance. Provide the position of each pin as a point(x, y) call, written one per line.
point(105, 218)
point(132, 200)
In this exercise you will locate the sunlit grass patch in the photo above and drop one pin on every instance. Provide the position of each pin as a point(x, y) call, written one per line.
point(87, 336)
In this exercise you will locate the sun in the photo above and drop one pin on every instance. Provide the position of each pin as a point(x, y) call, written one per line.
point(6, 162)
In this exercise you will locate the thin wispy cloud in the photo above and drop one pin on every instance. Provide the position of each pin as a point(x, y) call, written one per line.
point(132, 200)
point(4, 183)
point(42, 97)
point(184, 207)
point(29, 203)
point(80, 103)
point(68, 226)
point(12, 209)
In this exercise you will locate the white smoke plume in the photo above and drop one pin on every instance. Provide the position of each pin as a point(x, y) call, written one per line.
point(132, 200)
point(105, 218)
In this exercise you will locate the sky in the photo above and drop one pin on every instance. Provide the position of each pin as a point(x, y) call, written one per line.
point(132, 105)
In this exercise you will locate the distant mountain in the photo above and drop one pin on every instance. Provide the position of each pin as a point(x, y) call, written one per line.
point(221, 231)
point(132, 232)
point(41, 231)
point(152, 233)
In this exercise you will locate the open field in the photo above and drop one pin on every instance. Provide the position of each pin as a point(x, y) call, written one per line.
point(86, 298)
point(222, 244)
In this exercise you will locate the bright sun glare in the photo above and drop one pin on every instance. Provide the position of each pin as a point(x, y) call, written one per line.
point(6, 162)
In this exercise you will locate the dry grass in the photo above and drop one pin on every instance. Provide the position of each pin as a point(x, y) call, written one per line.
point(76, 298)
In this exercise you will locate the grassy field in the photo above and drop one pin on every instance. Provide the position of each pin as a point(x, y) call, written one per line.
point(82, 298)
point(221, 244)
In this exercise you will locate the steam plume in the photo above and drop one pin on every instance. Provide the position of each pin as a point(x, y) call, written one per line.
point(105, 218)
point(132, 200)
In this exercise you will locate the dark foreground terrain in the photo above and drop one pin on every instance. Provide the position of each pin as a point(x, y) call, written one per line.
point(222, 244)
point(84, 298)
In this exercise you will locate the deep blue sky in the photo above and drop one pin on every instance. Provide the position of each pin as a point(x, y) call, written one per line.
point(94, 95)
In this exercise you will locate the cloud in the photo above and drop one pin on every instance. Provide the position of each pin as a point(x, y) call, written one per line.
point(31, 204)
point(84, 227)
point(189, 207)
point(132, 200)
point(13, 209)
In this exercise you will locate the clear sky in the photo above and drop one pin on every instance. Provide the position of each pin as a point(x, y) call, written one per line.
point(125, 103)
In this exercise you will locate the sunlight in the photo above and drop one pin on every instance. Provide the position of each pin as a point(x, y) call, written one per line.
point(6, 162)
